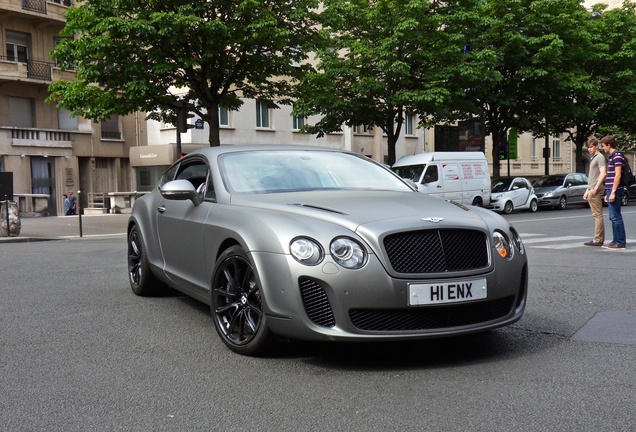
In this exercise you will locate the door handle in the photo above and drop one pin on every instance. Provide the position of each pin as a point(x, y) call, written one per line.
point(161, 209)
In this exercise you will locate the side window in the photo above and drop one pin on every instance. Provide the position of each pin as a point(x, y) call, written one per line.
point(580, 180)
point(431, 174)
point(197, 173)
point(169, 175)
point(520, 184)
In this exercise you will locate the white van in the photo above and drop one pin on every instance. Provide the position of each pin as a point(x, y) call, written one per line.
point(463, 177)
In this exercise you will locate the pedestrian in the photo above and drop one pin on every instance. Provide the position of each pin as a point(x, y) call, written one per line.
point(67, 205)
point(72, 200)
point(595, 191)
point(614, 191)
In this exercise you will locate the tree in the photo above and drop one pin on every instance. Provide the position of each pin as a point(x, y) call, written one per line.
point(380, 60)
point(601, 100)
point(129, 54)
point(527, 45)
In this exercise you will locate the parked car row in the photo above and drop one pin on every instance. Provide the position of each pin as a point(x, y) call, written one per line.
point(463, 177)
point(550, 191)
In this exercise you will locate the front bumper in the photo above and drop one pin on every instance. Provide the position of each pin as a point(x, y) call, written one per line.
point(328, 303)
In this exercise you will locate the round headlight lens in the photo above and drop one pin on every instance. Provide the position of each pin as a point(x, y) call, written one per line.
point(306, 251)
point(502, 245)
point(348, 253)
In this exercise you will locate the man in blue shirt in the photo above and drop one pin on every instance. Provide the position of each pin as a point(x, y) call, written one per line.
point(614, 191)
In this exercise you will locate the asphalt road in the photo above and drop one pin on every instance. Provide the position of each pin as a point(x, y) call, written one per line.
point(80, 352)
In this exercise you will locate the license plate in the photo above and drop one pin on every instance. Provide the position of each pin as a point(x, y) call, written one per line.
point(447, 292)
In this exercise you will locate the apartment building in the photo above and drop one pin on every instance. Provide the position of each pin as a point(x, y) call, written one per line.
point(47, 150)
point(254, 123)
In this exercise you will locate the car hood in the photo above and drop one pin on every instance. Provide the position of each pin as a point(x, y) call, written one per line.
point(352, 209)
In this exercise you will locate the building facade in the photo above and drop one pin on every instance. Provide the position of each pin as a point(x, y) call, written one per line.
point(254, 123)
point(47, 150)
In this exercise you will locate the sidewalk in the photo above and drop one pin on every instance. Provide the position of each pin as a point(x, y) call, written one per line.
point(68, 227)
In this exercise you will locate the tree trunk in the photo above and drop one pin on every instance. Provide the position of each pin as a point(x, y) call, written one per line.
point(214, 135)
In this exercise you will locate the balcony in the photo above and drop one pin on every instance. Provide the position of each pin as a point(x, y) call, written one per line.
point(37, 138)
point(39, 6)
point(32, 69)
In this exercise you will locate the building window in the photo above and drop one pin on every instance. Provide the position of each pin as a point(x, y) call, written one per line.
point(409, 124)
point(533, 150)
point(224, 117)
point(21, 112)
point(17, 46)
point(262, 115)
point(556, 149)
point(110, 128)
point(65, 121)
point(364, 129)
point(298, 122)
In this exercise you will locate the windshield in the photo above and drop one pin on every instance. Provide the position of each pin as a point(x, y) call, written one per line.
point(303, 170)
point(411, 172)
point(550, 181)
point(500, 185)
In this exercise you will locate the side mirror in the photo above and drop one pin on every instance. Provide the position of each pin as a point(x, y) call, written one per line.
point(181, 190)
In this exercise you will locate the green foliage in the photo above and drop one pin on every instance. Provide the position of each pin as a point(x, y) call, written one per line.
point(128, 55)
point(534, 65)
point(378, 61)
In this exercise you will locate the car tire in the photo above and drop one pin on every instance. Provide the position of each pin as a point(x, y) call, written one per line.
point(237, 304)
point(508, 207)
point(142, 281)
point(478, 202)
point(563, 203)
point(624, 199)
point(533, 206)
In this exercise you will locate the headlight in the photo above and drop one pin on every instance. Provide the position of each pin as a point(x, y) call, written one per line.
point(502, 245)
point(516, 239)
point(306, 251)
point(548, 194)
point(348, 253)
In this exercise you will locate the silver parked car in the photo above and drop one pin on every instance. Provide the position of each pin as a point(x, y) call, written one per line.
point(322, 245)
point(512, 193)
point(560, 190)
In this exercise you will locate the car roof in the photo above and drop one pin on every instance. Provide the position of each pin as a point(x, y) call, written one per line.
point(212, 152)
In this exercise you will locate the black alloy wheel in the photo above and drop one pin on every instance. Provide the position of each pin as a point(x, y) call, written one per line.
point(237, 304)
point(142, 281)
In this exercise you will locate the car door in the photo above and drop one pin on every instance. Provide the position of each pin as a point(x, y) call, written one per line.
point(431, 183)
point(180, 226)
point(575, 190)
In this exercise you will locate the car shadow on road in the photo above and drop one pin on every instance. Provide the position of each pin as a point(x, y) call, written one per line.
point(494, 345)
point(505, 343)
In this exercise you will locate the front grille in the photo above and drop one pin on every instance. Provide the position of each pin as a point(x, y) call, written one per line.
point(316, 303)
point(429, 318)
point(437, 250)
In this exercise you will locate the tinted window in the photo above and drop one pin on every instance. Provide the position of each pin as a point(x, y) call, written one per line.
point(431, 174)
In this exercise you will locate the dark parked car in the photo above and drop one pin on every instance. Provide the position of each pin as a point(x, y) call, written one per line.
point(321, 244)
point(561, 190)
point(629, 194)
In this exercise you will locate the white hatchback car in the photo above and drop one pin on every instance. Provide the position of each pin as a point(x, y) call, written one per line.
point(512, 193)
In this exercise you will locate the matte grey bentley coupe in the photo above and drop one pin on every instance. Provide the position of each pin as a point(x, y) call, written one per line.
point(320, 244)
